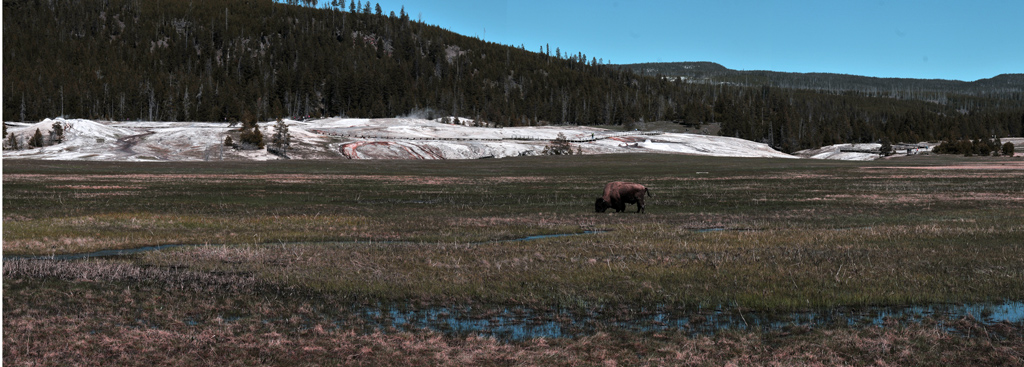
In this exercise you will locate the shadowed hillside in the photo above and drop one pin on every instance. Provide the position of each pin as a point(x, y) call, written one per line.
point(1004, 86)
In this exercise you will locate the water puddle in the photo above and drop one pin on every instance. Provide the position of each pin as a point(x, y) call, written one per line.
point(543, 236)
point(523, 323)
point(520, 323)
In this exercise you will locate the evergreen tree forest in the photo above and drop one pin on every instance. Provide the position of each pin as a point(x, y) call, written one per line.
point(259, 60)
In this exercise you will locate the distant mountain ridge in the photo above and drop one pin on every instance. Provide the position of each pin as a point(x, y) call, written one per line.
point(704, 71)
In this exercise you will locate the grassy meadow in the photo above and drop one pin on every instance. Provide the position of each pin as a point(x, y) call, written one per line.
point(283, 247)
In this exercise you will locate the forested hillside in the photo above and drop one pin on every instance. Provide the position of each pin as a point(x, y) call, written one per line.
point(218, 60)
point(1004, 86)
point(222, 59)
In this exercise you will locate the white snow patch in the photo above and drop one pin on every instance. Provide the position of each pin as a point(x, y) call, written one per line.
point(335, 138)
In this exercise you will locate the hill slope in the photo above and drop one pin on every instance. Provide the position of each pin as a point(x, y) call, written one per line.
point(257, 60)
point(218, 60)
point(1004, 86)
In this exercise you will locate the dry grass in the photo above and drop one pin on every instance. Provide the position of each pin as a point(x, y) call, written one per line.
point(297, 241)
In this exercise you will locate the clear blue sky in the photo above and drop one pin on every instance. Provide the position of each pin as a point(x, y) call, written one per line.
point(963, 40)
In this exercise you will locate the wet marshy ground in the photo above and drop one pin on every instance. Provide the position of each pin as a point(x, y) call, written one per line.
point(518, 323)
point(521, 323)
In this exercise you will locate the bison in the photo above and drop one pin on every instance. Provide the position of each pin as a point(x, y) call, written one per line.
point(617, 194)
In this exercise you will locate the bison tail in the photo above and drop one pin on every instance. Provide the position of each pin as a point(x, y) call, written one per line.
point(648, 191)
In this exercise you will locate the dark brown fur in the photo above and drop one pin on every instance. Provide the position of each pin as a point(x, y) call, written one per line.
point(617, 194)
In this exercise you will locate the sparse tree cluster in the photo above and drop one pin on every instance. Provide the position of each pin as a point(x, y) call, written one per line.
point(977, 147)
point(251, 137)
point(12, 141)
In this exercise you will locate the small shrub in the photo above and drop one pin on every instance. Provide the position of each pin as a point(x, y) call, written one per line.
point(559, 146)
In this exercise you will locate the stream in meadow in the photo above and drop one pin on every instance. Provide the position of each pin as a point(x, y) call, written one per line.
point(520, 323)
point(517, 323)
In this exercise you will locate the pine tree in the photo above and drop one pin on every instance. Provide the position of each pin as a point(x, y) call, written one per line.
point(37, 140)
point(886, 148)
point(281, 140)
point(251, 137)
point(12, 142)
point(57, 133)
point(257, 137)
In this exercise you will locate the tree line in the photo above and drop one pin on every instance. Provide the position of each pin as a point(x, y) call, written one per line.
point(259, 60)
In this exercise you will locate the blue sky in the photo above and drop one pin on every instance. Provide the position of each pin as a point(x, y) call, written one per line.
point(963, 40)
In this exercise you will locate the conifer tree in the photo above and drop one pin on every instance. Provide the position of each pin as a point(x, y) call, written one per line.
point(886, 148)
point(57, 133)
point(37, 140)
point(251, 137)
point(12, 142)
point(257, 137)
point(281, 140)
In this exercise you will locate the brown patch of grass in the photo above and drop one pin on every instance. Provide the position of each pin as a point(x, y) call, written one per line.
point(109, 271)
point(908, 198)
point(983, 166)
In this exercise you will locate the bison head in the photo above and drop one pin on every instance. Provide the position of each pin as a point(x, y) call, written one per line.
point(600, 205)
